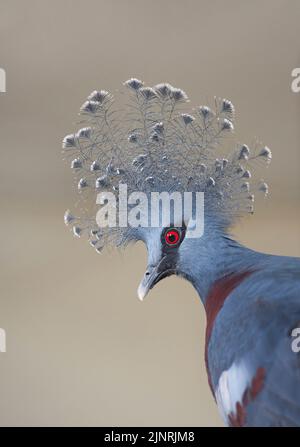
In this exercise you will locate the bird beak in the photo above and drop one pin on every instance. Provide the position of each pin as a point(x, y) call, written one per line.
point(147, 282)
point(153, 275)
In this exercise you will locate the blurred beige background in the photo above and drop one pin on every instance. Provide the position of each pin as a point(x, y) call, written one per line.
point(81, 349)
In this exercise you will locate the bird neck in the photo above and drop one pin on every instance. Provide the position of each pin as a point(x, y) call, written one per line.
point(218, 256)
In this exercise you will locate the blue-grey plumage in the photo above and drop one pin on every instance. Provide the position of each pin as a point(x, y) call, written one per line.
point(250, 342)
point(251, 299)
point(251, 333)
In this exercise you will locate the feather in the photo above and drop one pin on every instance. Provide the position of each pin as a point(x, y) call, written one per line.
point(152, 145)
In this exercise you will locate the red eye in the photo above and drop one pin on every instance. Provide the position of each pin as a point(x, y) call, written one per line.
point(172, 237)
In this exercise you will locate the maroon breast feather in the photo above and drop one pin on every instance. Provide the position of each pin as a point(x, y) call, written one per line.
point(215, 300)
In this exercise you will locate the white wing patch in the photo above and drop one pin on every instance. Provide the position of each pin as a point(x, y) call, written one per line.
point(231, 386)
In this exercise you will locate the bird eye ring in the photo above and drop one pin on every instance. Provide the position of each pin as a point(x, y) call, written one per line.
point(172, 236)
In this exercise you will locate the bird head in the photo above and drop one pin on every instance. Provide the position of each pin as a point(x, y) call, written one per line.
point(152, 145)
